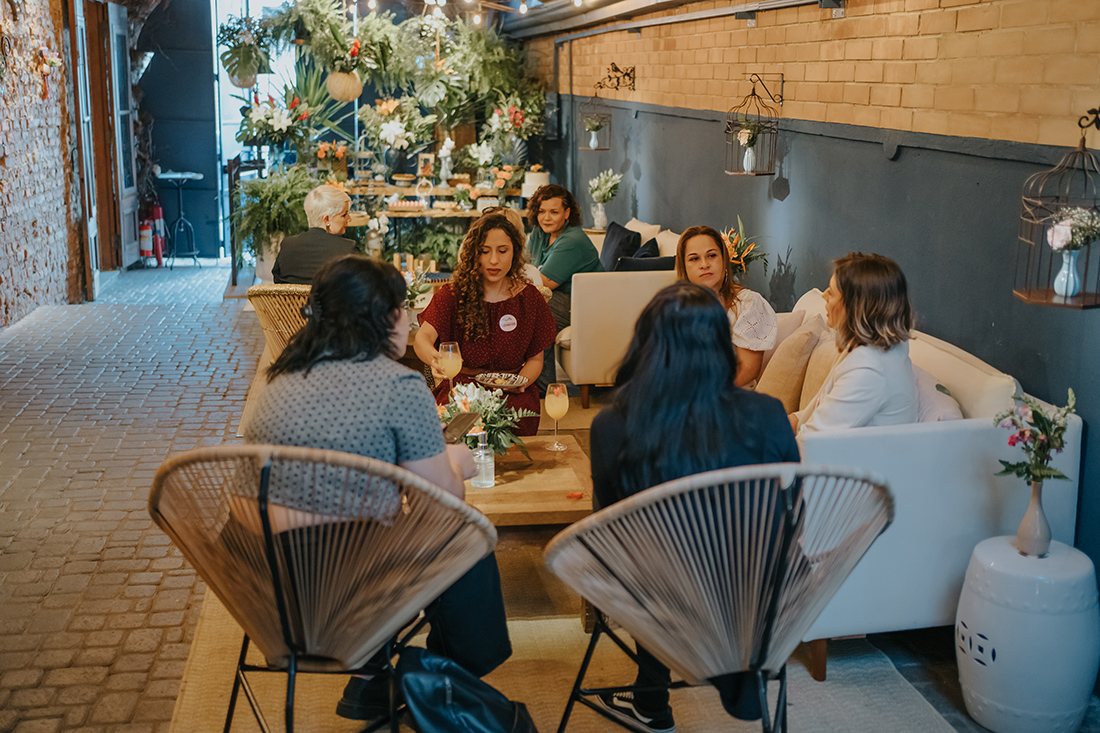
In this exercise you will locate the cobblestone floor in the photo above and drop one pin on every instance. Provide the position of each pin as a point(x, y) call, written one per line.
point(97, 609)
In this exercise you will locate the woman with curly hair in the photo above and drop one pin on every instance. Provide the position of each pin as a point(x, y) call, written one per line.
point(559, 248)
point(498, 318)
point(702, 258)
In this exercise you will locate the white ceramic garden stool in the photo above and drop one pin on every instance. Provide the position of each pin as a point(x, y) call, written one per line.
point(1027, 638)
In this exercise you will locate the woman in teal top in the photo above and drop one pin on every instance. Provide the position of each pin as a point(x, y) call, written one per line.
point(560, 249)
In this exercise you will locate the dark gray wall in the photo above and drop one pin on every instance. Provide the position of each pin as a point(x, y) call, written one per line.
point(946, 209)
point(179, 92)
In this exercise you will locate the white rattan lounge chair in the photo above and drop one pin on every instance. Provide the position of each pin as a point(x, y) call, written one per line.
point(721, 572)
point(322, 557)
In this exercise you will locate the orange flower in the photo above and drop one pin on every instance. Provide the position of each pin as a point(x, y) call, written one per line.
point(500, 183)
point(506, 176)
point(536, 168)
point(321, 152)
point(385, 106)
point(341, 150)
point(507, 167)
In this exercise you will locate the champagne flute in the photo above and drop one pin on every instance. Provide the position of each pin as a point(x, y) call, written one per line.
point(557, 404)
point(450, 361)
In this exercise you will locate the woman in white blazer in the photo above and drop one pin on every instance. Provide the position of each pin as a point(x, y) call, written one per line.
point(867, 304)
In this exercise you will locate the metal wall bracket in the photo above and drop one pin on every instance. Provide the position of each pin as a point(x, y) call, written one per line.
point(749, 15)
point(759, 79)
point(617, 78)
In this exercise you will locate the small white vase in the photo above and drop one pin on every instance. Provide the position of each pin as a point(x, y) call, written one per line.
point(445, 170)
point(749, 161)
point(1033, 535)
point(1067, 282)
point(599, 217)
point(593, 139)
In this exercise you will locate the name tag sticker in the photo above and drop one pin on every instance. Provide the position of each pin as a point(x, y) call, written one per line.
point(508, 322)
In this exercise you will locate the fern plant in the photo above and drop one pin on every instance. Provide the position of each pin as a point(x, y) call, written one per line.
point(271, 206)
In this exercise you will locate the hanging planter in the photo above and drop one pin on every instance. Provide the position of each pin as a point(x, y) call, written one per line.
point(752, 129)
point(344, 86)
point(595, 125)
point(1060, 215)
point(243, 82)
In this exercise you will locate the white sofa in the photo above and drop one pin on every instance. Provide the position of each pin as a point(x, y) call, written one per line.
point(946, 498)
point(604, 308)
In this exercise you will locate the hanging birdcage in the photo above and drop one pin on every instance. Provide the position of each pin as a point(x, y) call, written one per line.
point(594, 125)
point(752, 129)
point(1059, 224)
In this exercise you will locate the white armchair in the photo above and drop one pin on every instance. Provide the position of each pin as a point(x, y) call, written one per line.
point(605, 306)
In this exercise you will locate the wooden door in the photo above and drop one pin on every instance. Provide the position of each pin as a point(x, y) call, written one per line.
point(101, 114)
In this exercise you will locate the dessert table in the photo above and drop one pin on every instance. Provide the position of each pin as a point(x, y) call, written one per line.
point(541, 490)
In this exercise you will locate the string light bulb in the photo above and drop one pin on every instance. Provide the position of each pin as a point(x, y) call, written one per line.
point(372, 4)
point(522, 8)
point(477, 18)
point(441, 3)
point(437, 13)
point(578, 3)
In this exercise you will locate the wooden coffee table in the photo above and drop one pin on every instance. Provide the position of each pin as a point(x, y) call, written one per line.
point(537, 491)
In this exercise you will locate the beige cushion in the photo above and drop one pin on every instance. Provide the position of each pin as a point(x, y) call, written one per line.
point(821, 362)
point(981, 390)
point(787, 323)
point(786, 370)
point(564, 337)
point(813, 303)
point(932, 404)
point(648, 231)
point(666, 242)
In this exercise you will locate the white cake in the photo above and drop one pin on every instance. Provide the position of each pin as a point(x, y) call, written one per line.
point(531, 183)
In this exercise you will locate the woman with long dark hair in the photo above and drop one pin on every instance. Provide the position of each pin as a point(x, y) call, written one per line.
point(498, 318)
point(559, 248)
point(702, 257)
point(867, 305)
point(676, 412)
point(337, 386)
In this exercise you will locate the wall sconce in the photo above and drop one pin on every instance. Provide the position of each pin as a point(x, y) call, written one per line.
point(752, 128)
point(1060, 214)
point(595, 120)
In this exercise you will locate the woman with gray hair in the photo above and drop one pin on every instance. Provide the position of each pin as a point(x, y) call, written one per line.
point(302, 255)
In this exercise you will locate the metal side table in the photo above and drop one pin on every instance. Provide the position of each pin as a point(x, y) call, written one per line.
point(181, 226)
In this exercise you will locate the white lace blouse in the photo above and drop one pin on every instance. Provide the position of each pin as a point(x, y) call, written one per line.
point(753, 326)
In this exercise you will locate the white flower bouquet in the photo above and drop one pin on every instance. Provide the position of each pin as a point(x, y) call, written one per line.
point(497, 419)
point(1075, 228)
point(603, 187)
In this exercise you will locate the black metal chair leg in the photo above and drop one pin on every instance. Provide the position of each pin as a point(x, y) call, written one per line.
point(762, 691)
point(236, 686)
point(575, 695)
point(292, 671)
point(781, 707)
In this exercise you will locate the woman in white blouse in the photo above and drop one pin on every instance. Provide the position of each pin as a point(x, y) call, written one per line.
point(867, 304)
point(702, 258)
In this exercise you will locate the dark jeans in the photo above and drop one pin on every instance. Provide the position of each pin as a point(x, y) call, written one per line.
point(651, 673)
point(561, 308)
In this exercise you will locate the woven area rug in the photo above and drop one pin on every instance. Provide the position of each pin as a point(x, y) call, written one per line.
point(863, 694)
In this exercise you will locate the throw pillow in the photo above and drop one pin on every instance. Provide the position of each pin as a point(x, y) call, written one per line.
point(648, 231)
point(933, 405)
point(786, 370)
point(821, 362)
point(619, 242)
point(649, 249)
point(645, 264)
point(788, 322)
point(667, 241)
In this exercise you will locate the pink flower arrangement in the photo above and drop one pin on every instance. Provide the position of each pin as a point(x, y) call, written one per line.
point(1039, 434)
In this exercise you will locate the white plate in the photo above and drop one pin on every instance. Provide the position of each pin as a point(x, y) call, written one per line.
point(502, 380)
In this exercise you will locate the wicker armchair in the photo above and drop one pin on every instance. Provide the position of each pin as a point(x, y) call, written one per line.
point(724, 571)
point(279, 308)
point(321, 557)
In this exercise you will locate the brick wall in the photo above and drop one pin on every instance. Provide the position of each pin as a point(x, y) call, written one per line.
point(1019, 70)
point(40, 255)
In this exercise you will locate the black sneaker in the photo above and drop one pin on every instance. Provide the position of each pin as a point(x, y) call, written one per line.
point(621, 706)
point(365, 699)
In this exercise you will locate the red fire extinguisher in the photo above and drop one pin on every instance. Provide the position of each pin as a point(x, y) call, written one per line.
point(159, 232)
point(145, 238)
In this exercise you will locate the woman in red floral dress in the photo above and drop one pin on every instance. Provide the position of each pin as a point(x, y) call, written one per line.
point(498, 318)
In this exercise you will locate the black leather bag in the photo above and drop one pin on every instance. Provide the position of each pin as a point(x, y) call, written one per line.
point(442, 697)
